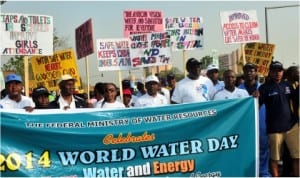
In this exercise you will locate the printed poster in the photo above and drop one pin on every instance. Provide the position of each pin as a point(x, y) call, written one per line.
point(151, 49)
point(47, 70)
point(260, 54)
point(26, 34)
point(240, 26)
point(84, 39)
point(142, 21)
point(186, 32)
point(113, 54)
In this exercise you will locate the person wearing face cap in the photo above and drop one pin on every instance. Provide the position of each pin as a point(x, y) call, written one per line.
point(194, 87)
point(282, 125)
point(40, 97)
point(14, 98)
point(152, 97)
point(251, 85)
point(212, 72)
point(66, 99)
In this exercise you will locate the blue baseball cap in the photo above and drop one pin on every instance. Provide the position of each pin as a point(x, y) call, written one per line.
point(13, 77)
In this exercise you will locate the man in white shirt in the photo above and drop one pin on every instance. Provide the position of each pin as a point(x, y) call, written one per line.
point(66, 99)
point(212, 72)
point(14, 98)
point(152, 97)
point(230, 91)
point(194, 87)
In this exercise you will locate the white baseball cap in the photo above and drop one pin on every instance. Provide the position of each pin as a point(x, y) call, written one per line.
point(211, 67)
point(152, 78)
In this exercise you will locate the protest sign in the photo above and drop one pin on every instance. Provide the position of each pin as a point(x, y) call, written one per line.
point(142, 21)
point(260, 54)
point(186, 32)
point(47, 70)
point(152, 49)
point(240, 26)
point(113, 54)
point(84, 39)
point(187, 140)
point(26, 34)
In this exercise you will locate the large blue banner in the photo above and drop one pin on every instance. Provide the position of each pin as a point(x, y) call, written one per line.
point(216, 138)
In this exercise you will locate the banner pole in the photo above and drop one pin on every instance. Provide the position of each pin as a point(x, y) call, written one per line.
point(87, 77)
point(184, 61)
point(26, 75)
point(243, 53)
point(121, 87)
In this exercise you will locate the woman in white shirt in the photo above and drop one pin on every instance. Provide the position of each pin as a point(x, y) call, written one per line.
point(110, 97)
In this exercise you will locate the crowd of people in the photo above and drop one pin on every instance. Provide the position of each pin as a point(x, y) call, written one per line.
point(278, 100)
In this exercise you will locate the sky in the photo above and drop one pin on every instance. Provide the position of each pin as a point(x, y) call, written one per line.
point(107, 16)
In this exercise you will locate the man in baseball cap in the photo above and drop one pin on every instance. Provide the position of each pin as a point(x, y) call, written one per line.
point(13, 77)
point(212, 72)
point(40, 97)
point(14, 98)
point(194, 87)
point(152, 97)
point(276, 65)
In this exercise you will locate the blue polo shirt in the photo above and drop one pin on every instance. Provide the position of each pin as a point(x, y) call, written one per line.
point(276, 97)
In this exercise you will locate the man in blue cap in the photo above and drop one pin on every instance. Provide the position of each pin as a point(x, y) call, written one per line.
point(14, 98)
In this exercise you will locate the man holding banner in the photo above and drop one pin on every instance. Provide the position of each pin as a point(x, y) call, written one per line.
point(14, 98)
point(67, 100)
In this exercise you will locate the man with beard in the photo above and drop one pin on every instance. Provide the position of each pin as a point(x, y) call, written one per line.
point(66, 99)
point(14, 98)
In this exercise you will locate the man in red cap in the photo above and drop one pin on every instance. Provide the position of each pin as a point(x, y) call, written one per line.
point(127, 95)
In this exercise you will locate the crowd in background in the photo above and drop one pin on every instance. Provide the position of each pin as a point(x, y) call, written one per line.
point(278, 102)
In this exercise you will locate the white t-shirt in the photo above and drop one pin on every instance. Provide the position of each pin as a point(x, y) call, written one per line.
point(225, 94)
point(63, 103)
point(188, 90)
point(147, 100)
point(7, 103)
point(115, 105)
point(166, 93)
point(98, 103)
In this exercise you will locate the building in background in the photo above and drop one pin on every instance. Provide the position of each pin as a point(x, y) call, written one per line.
point(233, 61)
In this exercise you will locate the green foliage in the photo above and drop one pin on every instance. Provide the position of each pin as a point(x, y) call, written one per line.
point(15, 64)
point(178, 74)
point(206, 60)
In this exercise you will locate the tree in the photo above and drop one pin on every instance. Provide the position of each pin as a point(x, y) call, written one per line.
point(59, 42)
point(206, 60)
point(15, 64)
